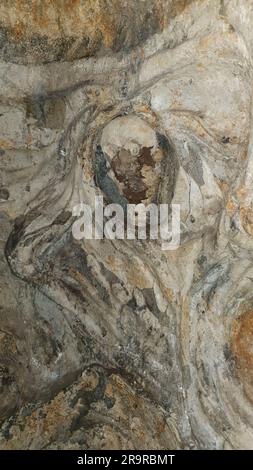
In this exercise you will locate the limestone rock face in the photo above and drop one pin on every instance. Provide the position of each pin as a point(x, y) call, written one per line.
point(119, 344)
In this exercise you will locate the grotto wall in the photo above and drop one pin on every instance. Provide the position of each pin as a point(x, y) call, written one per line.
point(119, 344)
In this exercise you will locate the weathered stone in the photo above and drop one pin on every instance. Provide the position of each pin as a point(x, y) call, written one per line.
point(110, 344)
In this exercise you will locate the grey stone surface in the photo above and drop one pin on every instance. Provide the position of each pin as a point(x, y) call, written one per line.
point(116, 343)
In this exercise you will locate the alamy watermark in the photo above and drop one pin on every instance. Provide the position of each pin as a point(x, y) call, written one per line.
point(138, 221)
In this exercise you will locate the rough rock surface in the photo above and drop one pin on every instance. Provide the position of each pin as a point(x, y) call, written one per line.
point(110, 344)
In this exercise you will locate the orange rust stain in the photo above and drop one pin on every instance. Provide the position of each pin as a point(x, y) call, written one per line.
point(118, 382)
point(18, 30)
point(168, 293)
point(40, 15)
point(135, 274)
point(242, 346)
point(71, 4)
point(121, 389)
point(109, 392)
point(231, 207)
point(160, 428)
point(246, 215)
point(179, 6)
point(149, 114)
point(241, 193)
point(54, 417)
point(245, 154)
point(52, 18)
point(114, 263)
point(75, 18)
point(137, 278)
point(76, 275)
point(7, 144)
point(224, 187)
